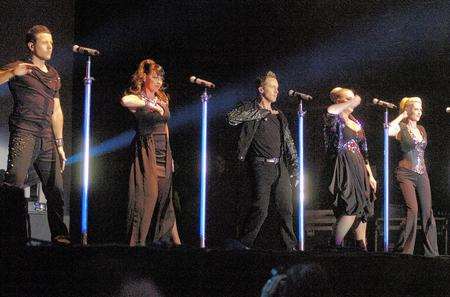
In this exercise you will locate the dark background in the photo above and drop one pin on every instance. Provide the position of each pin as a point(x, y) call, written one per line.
point(385, 49)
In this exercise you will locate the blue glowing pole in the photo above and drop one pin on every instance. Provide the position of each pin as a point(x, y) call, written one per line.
point(86, 139)
point(386, 182)
point(203, 173)
point(301, 179)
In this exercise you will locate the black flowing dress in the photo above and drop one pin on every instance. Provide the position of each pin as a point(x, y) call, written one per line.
point(151, 214)
point(348, 180)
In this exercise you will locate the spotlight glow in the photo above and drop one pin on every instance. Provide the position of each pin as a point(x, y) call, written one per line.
point(110, 145)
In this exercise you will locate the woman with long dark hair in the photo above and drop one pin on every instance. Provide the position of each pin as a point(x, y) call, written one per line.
point(412, 177)
point(351, 182)
point(151, 216)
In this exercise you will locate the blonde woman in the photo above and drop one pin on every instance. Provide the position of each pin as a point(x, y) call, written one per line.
point(351, 182)
point(412, 177)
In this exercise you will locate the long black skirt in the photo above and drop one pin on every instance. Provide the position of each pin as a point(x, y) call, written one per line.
point(350, 186)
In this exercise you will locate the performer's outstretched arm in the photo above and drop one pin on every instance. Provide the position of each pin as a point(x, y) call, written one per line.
point(394, 127)
point(338, 108)
point(16, 69)
point(244, 113)
point(133, 102)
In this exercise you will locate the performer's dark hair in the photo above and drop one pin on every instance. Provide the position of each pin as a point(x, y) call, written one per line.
point(34, 31)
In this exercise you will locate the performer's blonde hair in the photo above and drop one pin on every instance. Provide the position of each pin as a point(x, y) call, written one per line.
point(262, 79)
point(408, 101)
point(336, 92)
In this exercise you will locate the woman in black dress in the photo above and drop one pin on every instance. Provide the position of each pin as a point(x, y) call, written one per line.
point(151, 216)
point(351, 182)
point(412, 177)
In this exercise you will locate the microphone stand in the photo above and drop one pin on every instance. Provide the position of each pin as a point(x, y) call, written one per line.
point(386, 181)
point(204, 140)
point(300, 193)
point(86, 139)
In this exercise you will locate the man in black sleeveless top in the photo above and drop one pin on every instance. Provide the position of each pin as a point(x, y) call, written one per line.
point(266, 142)
point(36, 136)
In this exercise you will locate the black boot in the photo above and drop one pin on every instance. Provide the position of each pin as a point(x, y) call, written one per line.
point(333, 245)
point(360, 245)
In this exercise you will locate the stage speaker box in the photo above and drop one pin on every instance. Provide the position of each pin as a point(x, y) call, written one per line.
point(38, 229)
point(319, 228)
point(395, 226)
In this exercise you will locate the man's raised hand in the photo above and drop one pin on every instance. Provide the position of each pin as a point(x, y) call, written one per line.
point(22, 69)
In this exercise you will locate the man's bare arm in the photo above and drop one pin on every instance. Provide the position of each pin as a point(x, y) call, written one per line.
point(57, 126)
point(57, 119)
point(15, 69)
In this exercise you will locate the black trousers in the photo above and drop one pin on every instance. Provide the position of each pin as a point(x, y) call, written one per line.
point(25, 151)
point(270, 180)
point(412, 183)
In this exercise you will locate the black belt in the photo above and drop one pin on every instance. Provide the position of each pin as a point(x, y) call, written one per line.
point(272, 160)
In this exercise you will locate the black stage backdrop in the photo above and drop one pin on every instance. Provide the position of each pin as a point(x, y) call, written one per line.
point(384, 49)
point(17, 17)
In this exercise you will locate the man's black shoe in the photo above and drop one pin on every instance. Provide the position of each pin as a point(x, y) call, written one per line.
point(61, 240)
point(233, 244)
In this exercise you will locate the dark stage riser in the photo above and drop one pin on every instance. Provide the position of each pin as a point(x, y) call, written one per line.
point(102, 271)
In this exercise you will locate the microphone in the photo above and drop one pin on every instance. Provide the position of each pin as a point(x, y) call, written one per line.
point(379, 102)
point(201, 82)
point(447, 110)
point(85, 50)
point(293, 93)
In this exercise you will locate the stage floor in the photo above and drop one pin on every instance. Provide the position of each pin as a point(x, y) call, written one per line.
point(107, 270)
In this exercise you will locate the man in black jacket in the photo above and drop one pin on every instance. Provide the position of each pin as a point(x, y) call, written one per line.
point(266, 142)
